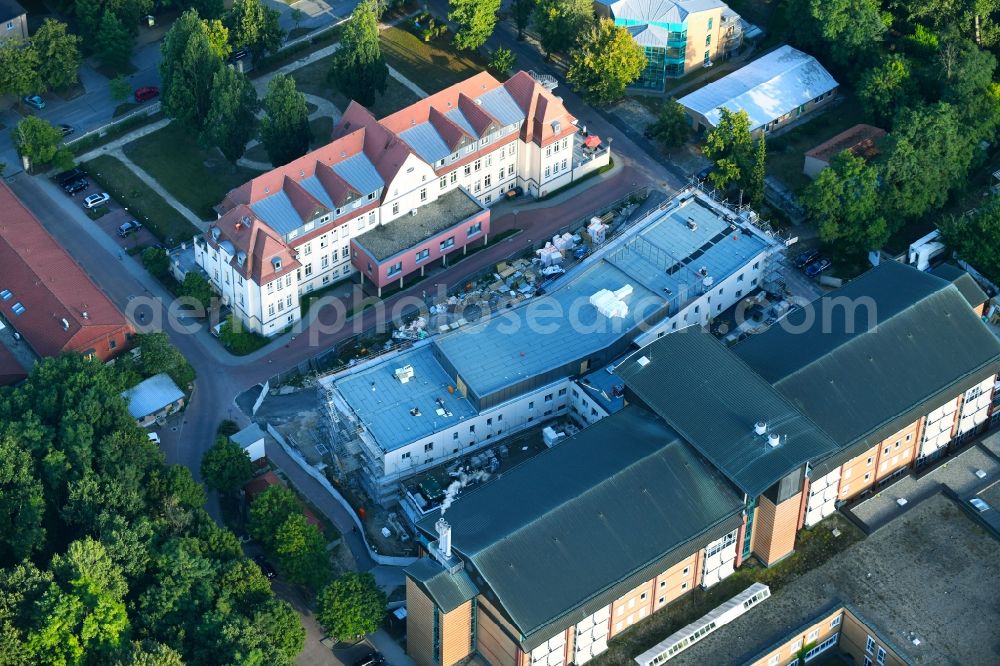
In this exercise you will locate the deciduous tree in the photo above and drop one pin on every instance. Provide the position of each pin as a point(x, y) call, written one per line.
point(113, 43)
point(605, 61)
point(358, 68)
point(284, 130)
point(502, 61)
point(120, 88)
point(231, 119)
point(559, 22)
point(226, 466)
point(522, 10)
point(730, 146)
point(886, 88)
point(269, 511)
point(157, 355)
point(976, 238)
point(40, 142)
point(187, 69)
point(351, 606)
point(58, 54)
point(849, 30)
point(476, 20)
point(254, 26)
point(672, 127)
point(22, 508)
point(845, 205)
point(18, 69)
point(300, 552)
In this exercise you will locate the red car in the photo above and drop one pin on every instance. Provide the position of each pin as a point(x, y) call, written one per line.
point(146, 93)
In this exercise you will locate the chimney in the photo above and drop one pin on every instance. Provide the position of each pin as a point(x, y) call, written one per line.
point(444, 537)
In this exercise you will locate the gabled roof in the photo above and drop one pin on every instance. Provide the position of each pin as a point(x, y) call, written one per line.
point(253, 241)
point(9, 9)
point(876, 354)
point(447, 590)
point(62, 309)
point(767, 88)
point(660, 11)
point(152, 395)
point(572, 529)
point(713, 399)
point(969, 288)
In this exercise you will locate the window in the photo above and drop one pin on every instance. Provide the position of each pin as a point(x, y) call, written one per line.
point(395, 208)
point(444, 183)
point(453, 177)
point(308, 249)
point(684, 586)
point(454, 435)
point(548, 171)
point(405, 455)
point(475, 229)
point(556, 147)
point(773, 661)
point(281, 285)
point(870, 645)
point(822, 647)
point(288, 300)
point(487, 180)
point(795, 647)
point(309, 270)
point(423, 194)
point(468, 170)
point(548, 398)
point(478, 165)
point(112, 343)
point(661, 600)
point(324, 262)
point(371, 196)
point(871, 460)
point(472, 428)
point(422, 255)
point(270, 310)
point(478, 188)
point(510, 170)
point(880, 656)
point(686, 571)
point(835, 622)
point(488, 198)
point(708, 40)
point(395, 269)
point(709, 23)
point(281, 306)
point(868, 476)
point(531, 405)
point(562, 392)
point(812, 635)
point(448, 242)
point(270, 287)
point(429, 447)
point(564, 165)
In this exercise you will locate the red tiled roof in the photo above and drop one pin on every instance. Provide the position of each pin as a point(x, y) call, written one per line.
point(256, 486)
point(63, 309)
point(860, 140)
point(250, 236)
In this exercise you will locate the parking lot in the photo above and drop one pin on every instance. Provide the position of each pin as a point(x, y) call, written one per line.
point(113, 218)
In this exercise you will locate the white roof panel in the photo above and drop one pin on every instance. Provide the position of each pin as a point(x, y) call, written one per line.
point(151, 395)
point(278, 212)
point(766, 88)
point(426, 142)
point(360, 173)
point(499, 104)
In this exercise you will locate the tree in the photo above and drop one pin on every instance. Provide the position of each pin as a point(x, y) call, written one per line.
point(40, 142)
point(88, 21)
point(18, 69)
point(925, 156)
point(83, 611)
point(157, 355)
point(284, 130)
point(254, 26)
point(975, 237)
point(849, 30)
point(358, 68)
point(476, 21)
point(673, 126)
point(502, 61)
point(58, 54)
point(559, 22)
point(758, 171)
point(845, 204)
point(120, 88)
point(196, 287)
point(279, 621)
point(522, 10)
point(188, 64)
point(886, 88)
point(22, 507)
point(297, 16)
point(231, 119)
point(300, 552)
point(225, 467)
point(270, 511)
point(351, 606)
point(218, 38)
point(605, 62)
point(113, 43)
point(730, 146)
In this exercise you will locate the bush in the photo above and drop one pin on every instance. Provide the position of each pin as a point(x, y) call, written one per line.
point(156, 261)
point(197, 287)
point(238, 340)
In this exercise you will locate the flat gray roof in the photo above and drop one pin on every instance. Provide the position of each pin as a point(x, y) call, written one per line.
point(384, 404)
point(404, 232)
point(659, 257)
point(151, 395)
point(930, 574)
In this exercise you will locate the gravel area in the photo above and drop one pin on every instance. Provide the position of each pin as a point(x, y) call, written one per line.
point(959, 473)
point(930, 574)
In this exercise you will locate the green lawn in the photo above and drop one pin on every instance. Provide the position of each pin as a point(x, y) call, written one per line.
point(199, 178)
point(432, 66)
point(312, 79)
point(146, 205)
point(786, 152)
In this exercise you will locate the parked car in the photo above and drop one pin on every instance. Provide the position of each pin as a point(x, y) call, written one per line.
point(265, 566)
point(373, 658)
point(153, 437)
point(979, 505)
point(806, 258)
point(239, 54)
point(77, 185)
point(146, 93)
point(95, 200)
point(129, 227)
point(66, 129)
point(703, 175)
point(69, 176)
point(818, 266)
point(34, 101)
point(514, 192)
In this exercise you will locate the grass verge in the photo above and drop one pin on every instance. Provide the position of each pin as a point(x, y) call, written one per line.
point(169, 226)
point(198, 177)
point(87, 143)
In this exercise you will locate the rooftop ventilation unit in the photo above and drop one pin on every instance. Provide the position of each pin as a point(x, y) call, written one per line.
point(643, 361)
point(692, 225)
point(773, 440)
point(404, 374)
point(611, 303)
point(760, 428)
point(85, 314)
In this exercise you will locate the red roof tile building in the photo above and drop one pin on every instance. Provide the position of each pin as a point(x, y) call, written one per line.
point(46, 297)
point(862, 140)
point(386, 198)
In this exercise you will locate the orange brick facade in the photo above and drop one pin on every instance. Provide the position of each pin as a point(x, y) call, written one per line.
point(881, 461)
point(774, 529)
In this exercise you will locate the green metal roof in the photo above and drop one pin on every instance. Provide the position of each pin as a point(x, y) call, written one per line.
point(973, 293)
point(447, 590)
point(865, 379)
point(565, 533)
point(713, 399)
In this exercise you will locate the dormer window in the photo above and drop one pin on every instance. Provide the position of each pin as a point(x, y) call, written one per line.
point(241, 258)
point(337, 212)
point(216, 234)
point(276, 263)
point(556, 126)
point(371, 196)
